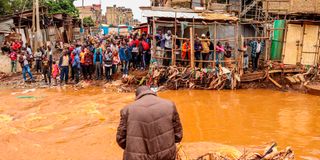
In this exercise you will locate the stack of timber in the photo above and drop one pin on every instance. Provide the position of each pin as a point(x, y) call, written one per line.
point(253, 76)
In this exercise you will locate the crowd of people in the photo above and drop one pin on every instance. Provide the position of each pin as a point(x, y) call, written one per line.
point(97, 57)
point(100, 57)
point(204, 51)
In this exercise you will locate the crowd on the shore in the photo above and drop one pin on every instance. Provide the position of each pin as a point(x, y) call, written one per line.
point(99, 57)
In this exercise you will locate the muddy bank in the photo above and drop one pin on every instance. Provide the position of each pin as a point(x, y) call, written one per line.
point(177, 78)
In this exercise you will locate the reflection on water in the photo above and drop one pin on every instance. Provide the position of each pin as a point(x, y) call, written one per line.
point(64, 124)
point(251, 117)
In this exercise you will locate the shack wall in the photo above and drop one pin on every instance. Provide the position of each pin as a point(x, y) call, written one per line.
point(292, 6)
point(301, 44)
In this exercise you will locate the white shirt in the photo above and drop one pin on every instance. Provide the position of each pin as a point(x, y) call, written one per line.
point(258, 47)
point(168, 42)
point(29, 51)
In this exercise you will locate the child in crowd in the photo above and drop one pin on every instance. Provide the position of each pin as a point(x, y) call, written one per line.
point(115, 62)
point(55, 72)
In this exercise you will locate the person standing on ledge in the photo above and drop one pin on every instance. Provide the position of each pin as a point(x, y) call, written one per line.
point(149, 128)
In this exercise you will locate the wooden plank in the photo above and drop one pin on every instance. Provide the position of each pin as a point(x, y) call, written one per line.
point(291, 49)
point(275, 82)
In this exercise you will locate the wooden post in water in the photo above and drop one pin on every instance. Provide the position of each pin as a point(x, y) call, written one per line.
point(192, 48)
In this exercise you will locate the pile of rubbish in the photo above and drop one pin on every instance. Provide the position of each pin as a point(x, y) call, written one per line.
point(174, 78)
point(270, 152)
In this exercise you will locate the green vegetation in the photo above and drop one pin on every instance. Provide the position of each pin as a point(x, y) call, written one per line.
point(13, 6)
point(8, 7)
point(88, 22)
point(62, 6)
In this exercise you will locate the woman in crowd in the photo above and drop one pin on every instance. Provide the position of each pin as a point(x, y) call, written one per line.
point(107, 59)
point(219, 53)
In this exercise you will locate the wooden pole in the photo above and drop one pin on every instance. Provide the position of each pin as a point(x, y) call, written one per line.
point(38, 32)
point(236, 38)
point(154, 43)
point(192, 48)
point(266, 58)
point(215, 44)
point(242, 55)
point(33, 29)
point(267, 32)
point(174, 45)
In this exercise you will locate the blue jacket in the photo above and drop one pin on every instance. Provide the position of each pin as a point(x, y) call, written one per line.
point(124, 53)
point(76, 61)
point(253, 45)
point(95, 55)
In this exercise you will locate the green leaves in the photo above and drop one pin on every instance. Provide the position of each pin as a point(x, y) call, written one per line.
point(54, 6)
point(88, 22)
point(14, 6)
point(63, 7)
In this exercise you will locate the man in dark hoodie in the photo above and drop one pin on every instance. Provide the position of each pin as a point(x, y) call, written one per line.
point(149, 128)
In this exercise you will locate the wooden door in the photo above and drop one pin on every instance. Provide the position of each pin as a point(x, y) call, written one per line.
point(310, 45)
point(292, 45)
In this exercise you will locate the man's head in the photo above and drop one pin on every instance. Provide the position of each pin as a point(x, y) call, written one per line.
point(169, 32)
point(142, 89)
point(259, 40)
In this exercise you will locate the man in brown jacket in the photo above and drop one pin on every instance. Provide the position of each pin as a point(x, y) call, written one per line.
point(149, 128)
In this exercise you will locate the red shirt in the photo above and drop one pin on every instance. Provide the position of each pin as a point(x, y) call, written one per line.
point(136, 42)
point(71, 49)
point(15, 46)
point(13, 56)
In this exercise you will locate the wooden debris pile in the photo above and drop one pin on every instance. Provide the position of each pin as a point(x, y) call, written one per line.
point(270, 153)
point(3, 75)
point(185, 77)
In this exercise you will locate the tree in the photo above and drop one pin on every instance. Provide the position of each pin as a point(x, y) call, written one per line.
point(14, 6)
point(54, 6)
point(63, 7)
point(88, 22)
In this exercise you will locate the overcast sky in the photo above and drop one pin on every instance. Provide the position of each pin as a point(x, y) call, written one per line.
point(133, 4)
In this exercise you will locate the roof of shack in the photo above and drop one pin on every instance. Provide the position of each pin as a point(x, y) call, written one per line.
point(187, 14)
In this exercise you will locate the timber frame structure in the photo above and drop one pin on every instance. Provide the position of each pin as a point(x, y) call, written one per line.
point(176, 19)
point(256, 16)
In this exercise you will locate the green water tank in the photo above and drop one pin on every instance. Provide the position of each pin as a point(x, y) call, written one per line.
point(277, 40)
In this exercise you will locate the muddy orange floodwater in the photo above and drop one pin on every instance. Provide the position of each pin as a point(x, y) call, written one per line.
point(64, 124)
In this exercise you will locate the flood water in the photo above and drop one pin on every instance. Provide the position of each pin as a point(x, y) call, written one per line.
point(66, 124)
